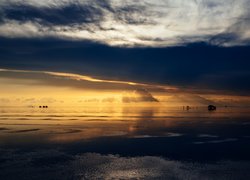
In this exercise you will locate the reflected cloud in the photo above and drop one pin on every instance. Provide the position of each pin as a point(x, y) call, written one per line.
point(67, 131)
point(87, 123)
point(207, 136)
point(24, 131)
point(160, 136)
point(3, 129)
point(217, 141)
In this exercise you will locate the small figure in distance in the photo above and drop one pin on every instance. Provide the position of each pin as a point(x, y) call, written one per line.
point(43, 106)
point(211, 108)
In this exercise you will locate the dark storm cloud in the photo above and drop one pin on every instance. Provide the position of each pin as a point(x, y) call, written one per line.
point(75, 13)
point(91, 38)
point(223, 38)
point(234, 35)
point(137, 15)
point(66, 15)
point(82, 16)
point(191, 66)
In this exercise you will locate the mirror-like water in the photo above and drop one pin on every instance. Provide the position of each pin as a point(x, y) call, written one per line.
point(124, 142)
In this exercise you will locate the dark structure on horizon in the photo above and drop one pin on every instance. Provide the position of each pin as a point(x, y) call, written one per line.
point(43, 106)
point(211, 108)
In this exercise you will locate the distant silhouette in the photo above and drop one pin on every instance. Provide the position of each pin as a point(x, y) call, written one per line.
point(188, 107)
point(211, 108)
point(43, 106)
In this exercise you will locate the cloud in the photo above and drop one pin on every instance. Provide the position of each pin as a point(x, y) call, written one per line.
point(139, 95)
point(39, 86)
point(196, 67)
point(233, 80)
point(48, 16)
point(188, 99)
point(82, 81)
point(129, 23)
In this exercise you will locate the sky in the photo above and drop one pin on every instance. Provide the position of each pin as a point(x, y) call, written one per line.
point(76, 48)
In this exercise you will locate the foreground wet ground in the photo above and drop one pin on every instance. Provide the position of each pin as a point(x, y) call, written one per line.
point(147, 142)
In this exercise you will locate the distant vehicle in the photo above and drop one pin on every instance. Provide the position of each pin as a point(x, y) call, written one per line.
point(43, 106)
point(211, 108)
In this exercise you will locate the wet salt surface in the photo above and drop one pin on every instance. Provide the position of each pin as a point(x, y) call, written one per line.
point(54, 164)
point(140, 143)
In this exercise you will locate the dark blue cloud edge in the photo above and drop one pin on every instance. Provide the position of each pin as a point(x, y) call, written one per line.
point(74, 13)
point(197, 65)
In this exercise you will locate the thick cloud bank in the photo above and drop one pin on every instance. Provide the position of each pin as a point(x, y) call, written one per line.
point(129, 23)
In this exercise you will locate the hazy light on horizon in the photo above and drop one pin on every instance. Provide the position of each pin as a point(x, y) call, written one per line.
point(21, 87)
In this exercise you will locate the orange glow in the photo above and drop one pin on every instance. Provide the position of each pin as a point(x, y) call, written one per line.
point(69, 124)
point(29, 88)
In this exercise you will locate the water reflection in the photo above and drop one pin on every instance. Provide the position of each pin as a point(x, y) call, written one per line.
point(67, 124)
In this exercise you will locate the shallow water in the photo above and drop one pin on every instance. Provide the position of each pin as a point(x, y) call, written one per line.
point(131, 141)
